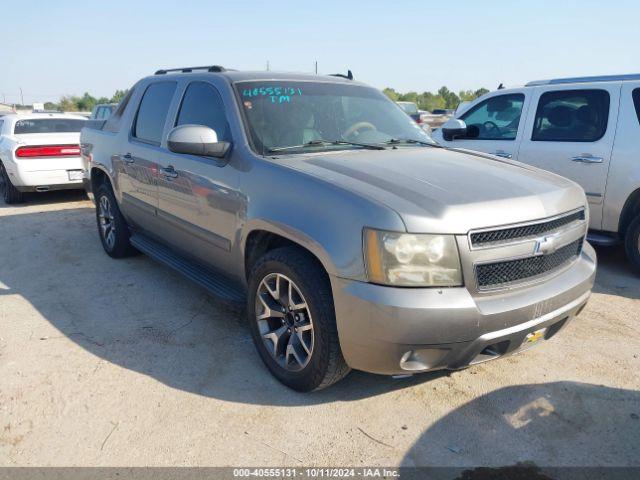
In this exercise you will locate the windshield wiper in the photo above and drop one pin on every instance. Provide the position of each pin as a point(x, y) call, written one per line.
point(411, 141)
point(320, 143)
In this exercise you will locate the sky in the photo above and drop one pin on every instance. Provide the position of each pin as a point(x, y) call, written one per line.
point(63, 47)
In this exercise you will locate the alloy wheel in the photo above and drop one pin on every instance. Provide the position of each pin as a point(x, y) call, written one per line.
point(107, 222)
point(284, 322)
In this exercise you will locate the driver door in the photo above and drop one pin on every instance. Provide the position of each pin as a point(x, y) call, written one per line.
point(495, 125)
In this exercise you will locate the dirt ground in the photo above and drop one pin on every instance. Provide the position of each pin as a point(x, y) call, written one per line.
point(124, 363)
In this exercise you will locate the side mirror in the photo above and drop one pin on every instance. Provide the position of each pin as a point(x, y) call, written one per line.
point(454, 128)
point(197, 140)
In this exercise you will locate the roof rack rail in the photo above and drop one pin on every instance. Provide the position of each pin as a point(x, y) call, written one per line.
point(208, 68)
point(600, 78)
point(348, 76)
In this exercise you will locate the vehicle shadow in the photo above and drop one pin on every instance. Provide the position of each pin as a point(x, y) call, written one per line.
point(615, 275)
point(144, 317)
point(48, 198)
point(549, 424)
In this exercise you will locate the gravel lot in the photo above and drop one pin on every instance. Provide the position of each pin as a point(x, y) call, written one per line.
point(106, 362)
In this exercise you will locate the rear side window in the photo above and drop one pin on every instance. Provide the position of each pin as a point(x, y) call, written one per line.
point(636, 101)
point(571, 116)
point(152, 112)
point(496, 118)
point(202, 105)
point(48, 125)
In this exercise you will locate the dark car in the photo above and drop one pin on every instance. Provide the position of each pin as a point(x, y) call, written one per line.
point(411, 109)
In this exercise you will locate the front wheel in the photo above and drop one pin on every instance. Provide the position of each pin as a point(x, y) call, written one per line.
point(112, 227)
point(292, 320)
point(632, 243)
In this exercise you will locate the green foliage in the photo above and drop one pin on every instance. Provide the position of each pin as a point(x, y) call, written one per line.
point(392, 94)
point(443, 98)
point(85, 103)
point(119, 95)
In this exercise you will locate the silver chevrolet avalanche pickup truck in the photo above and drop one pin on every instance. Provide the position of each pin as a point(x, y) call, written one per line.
point(354, 239)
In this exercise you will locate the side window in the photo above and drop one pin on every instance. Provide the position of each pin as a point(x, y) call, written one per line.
point(636, 101)
point(152, 112)
point(496, 118)
point(202, 105)
point(571, 116)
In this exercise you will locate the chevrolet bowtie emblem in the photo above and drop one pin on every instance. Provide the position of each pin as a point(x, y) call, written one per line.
point(545, 245)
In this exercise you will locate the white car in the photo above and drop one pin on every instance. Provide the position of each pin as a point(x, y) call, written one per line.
point(39, 152)
point(585, 129)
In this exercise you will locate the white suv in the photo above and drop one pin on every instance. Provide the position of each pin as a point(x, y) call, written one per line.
point(586, 129)
point(39, 152)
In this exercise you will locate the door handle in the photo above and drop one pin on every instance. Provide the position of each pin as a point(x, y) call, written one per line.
point(128, 158)
point(587, 159)
point(502, 154)
point(169, 172)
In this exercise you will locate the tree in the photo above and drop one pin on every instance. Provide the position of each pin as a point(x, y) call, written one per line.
point(389, 92)
point(119, 95)
point(86, 102)
point(443, 98)
point(67, 104)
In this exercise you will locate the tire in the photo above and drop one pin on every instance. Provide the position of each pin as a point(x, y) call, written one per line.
point(112, 227)
point(323, 363)
point(632, 243)
point(10, 194)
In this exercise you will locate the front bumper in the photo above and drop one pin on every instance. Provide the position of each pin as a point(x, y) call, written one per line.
point(393, 331)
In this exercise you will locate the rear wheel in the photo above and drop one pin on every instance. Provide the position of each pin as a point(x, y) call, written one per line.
point(292, 320)
point(632, 243)
point(112, 227)
point(10, 194)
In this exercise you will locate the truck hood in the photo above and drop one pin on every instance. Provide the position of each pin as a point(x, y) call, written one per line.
point(437, 190)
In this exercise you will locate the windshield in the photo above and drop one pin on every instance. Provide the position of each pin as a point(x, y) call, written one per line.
point(303, 116)
point(408, 107)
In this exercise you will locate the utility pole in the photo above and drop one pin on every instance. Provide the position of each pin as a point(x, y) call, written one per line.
point(316, 67)
point(267, 65)
point(21, 97)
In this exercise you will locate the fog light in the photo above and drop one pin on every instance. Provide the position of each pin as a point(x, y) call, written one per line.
point(423, 359)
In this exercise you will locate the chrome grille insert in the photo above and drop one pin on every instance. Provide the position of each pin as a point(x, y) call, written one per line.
point(498, 236)
point(504, 273)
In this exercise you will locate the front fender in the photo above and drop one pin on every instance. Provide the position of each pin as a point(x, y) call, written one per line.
point(290, 233)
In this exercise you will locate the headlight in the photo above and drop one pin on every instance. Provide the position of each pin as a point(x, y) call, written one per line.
point(411, 260)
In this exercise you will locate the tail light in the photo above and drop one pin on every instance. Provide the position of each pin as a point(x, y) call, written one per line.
point(48, 151)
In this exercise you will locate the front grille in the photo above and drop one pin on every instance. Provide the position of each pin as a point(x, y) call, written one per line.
point(500, 274)
point(491, 237)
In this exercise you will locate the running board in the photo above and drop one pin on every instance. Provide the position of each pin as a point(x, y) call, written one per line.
point(212, 281)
